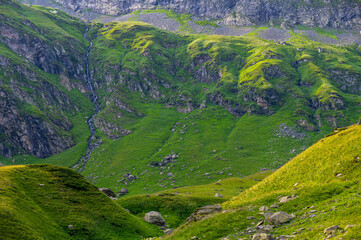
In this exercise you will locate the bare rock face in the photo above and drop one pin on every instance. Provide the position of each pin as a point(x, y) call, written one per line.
point(112, 130)
point(154, 217)
point(32, 109)
point(339, 14)
point(205, 8)
point(25, 129)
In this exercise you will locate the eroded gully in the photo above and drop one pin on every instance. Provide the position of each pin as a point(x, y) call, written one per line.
point(93, 141)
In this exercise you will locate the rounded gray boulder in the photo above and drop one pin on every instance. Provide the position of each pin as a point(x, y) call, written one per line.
point(154, 217)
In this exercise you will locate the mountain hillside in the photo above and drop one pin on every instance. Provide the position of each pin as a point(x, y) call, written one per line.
point(185, 103)
point(49, 202)
point(322, 185)
point(165, 104)
point(166, 109)
point(42, 81)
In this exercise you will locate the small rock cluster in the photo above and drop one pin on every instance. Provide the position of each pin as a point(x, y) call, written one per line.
point(128, 177)
point(171, 158)
point(273, 219)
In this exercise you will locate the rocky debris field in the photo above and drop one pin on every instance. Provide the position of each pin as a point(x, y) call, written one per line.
point(162, 21)
point(85, 15)
point(341, 38)
point(275, 34)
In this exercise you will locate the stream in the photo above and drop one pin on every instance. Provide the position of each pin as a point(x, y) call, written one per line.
point(93, 142)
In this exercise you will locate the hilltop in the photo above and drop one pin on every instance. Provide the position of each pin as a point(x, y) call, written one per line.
point(49, 202)
point(322, 185)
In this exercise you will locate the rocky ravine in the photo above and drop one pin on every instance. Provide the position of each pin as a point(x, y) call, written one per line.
point(324, 13)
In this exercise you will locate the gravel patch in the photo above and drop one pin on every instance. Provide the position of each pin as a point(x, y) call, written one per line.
point(221, 30)
point(314, 36)
point(232, 31)
point(349, 38)
point(275, 34)
point(122, 18)
point(199, 29)
point(342, 39)
point(160, 20)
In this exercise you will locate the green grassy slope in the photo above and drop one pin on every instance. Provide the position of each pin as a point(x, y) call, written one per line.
point(325, 178)
point(41, 201)
point(265, 101)
point(177, 204)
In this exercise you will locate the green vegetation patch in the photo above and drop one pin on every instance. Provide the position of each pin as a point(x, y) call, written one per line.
point(44, 201)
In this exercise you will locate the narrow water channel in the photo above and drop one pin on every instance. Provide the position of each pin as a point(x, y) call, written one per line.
point(93, 142)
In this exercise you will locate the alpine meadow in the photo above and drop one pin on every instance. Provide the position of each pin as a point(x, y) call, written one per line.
point(180, 119)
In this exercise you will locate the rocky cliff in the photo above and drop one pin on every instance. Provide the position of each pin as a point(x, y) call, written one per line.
point(40, 65)
point(324, 13)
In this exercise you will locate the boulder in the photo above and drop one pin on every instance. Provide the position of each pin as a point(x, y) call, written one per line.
point(287, 198)
point(108, 192)
point(204, 212)
point(155, 218)
point(122, 192)
point(218, 195)
point(284, 199)
point(264, 209)
point(280, 218)
point(331, 230)
point(262, 236)
point(168, 231)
